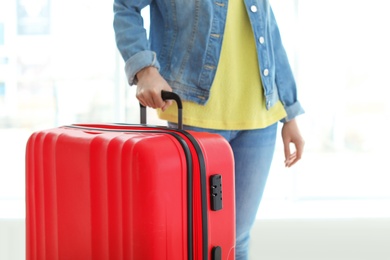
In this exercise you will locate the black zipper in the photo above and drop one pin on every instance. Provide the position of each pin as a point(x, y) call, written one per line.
point(203, 177)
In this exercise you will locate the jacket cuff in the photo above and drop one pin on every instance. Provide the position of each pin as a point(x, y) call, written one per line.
point(292, 111)
point(139, 61)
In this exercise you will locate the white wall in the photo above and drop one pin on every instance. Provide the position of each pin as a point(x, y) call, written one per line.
point(12, 239)
point(321, 239)
point(285, 239)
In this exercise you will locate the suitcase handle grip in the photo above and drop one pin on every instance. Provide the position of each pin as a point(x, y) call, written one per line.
point(167, 95)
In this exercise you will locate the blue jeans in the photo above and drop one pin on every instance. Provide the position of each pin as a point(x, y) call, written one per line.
point(253, 152)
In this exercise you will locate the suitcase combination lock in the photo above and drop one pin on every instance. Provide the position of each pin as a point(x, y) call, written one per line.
point(216, 192)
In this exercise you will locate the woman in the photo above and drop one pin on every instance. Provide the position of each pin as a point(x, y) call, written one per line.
point(227, 62)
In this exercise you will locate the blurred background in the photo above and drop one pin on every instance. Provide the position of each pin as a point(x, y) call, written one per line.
point(59, 65)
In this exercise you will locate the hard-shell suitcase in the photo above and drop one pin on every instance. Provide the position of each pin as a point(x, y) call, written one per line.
point(115, 191)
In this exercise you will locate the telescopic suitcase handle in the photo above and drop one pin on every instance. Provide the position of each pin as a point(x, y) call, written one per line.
point(166, 95)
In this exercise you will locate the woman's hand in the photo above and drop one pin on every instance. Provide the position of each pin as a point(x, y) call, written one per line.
point(149, 87)
point(291, 134)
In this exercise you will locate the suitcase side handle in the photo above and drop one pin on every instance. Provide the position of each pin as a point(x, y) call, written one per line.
point(166, 95)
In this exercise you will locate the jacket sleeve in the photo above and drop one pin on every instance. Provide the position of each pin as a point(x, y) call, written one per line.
point(131, 37)
point(284, 77)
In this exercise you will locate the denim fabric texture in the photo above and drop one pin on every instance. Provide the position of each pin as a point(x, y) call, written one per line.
point(253, 152)
point(185, 42)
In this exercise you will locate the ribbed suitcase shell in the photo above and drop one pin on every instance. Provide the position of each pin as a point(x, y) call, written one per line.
point(123, 192)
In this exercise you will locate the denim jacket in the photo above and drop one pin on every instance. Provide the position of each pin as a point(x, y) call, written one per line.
point(185, 43)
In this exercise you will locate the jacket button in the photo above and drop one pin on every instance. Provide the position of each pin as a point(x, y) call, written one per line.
point(266, 72)
point(261, 39)
point(253, 8)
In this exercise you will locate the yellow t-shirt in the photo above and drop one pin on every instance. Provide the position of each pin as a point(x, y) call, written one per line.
point(236, 99)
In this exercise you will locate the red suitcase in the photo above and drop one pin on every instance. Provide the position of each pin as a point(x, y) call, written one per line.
point(129, 192)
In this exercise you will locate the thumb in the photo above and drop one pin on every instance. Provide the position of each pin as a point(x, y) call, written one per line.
point(167, 104)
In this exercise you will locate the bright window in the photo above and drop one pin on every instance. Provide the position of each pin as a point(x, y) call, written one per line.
point(339, 52)
point(1, 33)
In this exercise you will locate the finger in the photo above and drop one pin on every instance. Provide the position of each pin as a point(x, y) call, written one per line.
point(140, 95)
point(291, 157)
point(298, 152)
point(166, 105)
point(290, 160)
point(155, 102)
point(141, 100)
point(297, 155)
point(286, 150)
point(299, 149)
point(150, 99)
point(158, 100)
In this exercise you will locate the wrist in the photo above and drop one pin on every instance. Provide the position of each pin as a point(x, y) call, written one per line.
point(145, 72)
point(290, 122)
